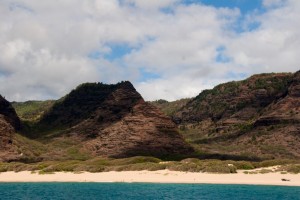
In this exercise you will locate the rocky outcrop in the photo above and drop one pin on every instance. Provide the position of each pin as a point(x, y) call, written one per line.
point(260, 116)
point(6, 133)
point(9, 123)
point(115, 121)
point(242, 98)
point(143, 131)
point(286, 110)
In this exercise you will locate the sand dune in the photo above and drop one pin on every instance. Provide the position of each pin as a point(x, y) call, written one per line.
point(162, 176)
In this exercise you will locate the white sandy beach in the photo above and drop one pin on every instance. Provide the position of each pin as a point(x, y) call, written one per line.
point(162, 176)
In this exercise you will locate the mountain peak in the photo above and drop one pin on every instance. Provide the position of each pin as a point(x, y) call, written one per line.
point(113, 120)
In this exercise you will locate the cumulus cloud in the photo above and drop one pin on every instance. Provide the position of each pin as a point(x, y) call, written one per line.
point(274, 45)
point(153, 4)
point(272, 3)
point(47, 48)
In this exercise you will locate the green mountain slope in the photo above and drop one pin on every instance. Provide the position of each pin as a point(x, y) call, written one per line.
point(258, 117)
point(170, 107)
point(107, 120)
point(32, 110)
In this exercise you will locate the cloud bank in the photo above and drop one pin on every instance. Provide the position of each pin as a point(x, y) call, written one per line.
point(167, 48)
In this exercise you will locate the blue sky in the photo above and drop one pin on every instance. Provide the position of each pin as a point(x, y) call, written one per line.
point(168, 49)
point(244, 5)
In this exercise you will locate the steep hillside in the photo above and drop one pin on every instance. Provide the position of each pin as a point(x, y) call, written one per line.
point(257, 117)
point(110, 120)
point(78, 105)
point(9, 123)
point(170, 107)
point(243, 99)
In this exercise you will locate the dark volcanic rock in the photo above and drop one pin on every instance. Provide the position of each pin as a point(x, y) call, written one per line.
point(143, 131)
point(9, 122)
point(115, 121)
point(9, 113)
point(286, 110)
point(6, 133)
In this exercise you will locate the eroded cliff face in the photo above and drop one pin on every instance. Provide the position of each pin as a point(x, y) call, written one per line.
point(240, 100)
point(286, 110)
point(9, 123)
point(259, 116)
point(115, 121)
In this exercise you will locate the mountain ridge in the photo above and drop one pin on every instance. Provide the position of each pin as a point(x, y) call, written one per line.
point(111, 121)
point(258, 116)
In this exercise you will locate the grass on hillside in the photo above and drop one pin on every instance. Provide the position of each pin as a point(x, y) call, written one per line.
point(32, 110)
point(139, 163)
point(170, 108)
point(59, 149)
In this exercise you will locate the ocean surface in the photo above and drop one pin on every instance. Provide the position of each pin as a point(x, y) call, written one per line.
point(141, 191)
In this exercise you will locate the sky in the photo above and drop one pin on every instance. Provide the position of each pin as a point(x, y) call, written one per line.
point(168, 49)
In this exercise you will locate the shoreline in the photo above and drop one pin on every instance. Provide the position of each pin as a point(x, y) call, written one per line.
point(161, 176)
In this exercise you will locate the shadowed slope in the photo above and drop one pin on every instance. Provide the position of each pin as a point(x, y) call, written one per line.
point(9, 123)
point(114, 121)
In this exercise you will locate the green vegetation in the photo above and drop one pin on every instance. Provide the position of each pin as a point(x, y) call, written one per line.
point(246, 127)
point(139, 163)
point(170, 108)
point(230, 87)
point(205, 93)
point(228, 98)
point(269, 163)
point(32, 110)
point(273, 84)
point(31, 149)
point(291, 168)
point(222, 145)
point(79, 104)
point(276, 150)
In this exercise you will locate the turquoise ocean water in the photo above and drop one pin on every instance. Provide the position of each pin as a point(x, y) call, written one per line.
point(141, 191)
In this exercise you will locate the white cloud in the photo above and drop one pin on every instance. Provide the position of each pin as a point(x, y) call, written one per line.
point(274, 46)
point(39, 74)
point(182, 85)
point(146, 4)
point(273, 3)
point(46, 46)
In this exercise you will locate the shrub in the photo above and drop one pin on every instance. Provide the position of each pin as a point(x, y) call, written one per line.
point(294, 169)
point(185, 167)
point(134, 160)
point(243, 165)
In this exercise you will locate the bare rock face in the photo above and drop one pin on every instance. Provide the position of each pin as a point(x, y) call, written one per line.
point(286, 110)
point(115, 121)
point(6, 131)
point(259, 115)
point(143, 131)
point(9, 122)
